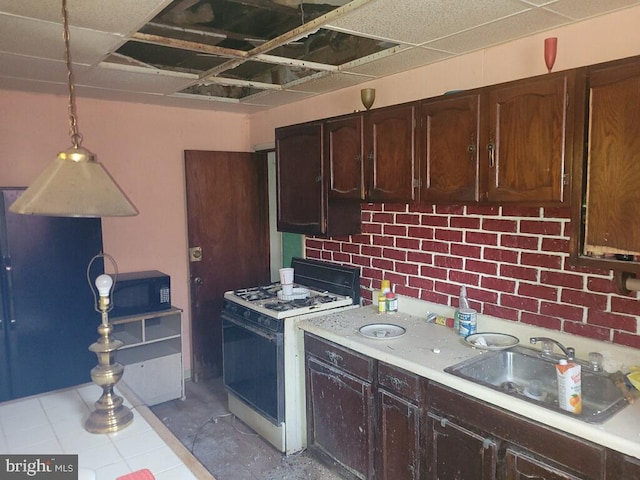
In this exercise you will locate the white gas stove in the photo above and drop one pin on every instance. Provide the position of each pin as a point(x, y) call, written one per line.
point(270, 300)
point(263, 349)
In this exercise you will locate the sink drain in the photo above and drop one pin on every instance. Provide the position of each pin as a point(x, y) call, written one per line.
point(510, 387)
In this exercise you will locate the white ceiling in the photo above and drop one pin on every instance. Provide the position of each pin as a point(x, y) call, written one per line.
point(424, 31)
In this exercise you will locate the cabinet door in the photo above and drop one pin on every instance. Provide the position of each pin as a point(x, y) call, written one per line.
point(339, 417)
point(301, 190)
point(400, 450)
point(621, 466)
point(456, 453)
point(529, 132)
point(520, 466)
point(343, 156)
point(612, 168)
point(389, 139)
point(449, 136)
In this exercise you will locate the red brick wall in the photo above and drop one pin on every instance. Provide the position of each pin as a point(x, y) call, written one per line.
point(514, 261)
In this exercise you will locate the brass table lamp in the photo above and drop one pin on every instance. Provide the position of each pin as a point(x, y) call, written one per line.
point(110, 414)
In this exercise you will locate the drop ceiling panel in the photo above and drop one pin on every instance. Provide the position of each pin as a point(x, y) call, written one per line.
point(499, 32)
point(123, 16)
point(19, 66)
point(328, 82)
point(404, 60)
point(146, 81)
point(13, 83)
point(580, 9)
point(419, 21)
point(41, 39)
point(275, 98)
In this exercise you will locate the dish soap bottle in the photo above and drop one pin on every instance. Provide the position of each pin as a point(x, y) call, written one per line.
point(569, 386)
point(463, 303)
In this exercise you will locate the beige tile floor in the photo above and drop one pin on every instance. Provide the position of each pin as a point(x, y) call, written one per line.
point(53, 424)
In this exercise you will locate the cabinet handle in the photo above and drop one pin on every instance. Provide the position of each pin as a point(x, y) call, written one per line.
point(334, 357)
point(370, 156)
point(492, 154)
point(397, 382)
point(358, 158)
point(319, 179)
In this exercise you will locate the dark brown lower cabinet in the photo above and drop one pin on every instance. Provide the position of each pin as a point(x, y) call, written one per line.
point(372, 420)
point(622, 467)
point(340, 412)
point(456, 453)
point(400, 424)
point(520, 466)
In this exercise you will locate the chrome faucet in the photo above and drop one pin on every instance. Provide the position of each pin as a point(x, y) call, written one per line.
point(547, 347)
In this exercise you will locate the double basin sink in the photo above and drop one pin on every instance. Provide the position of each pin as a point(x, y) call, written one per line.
point(523, 373)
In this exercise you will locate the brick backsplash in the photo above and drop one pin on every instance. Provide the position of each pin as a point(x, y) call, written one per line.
point(514, 261)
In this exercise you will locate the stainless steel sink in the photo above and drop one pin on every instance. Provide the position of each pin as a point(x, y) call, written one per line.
point(521, 372)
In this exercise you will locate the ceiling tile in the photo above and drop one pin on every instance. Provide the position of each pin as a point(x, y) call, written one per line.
point(404, 60)
point(123, 16)
point(328, 82)
point(19, 66)
point(141, 80)
point(580, 9)
point(273, 98)
point(418, 21)
point(42, 39)
point(499, 32)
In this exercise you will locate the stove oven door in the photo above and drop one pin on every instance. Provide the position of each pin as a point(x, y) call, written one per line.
point(253, 366)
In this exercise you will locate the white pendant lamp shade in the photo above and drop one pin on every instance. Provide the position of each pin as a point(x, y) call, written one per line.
point(74, 185)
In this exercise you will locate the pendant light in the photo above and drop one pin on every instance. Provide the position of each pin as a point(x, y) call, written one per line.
point(75, 184)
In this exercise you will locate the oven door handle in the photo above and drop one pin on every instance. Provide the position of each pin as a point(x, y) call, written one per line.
point(273, 337)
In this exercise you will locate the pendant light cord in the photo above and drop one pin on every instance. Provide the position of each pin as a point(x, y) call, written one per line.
point(76, 138)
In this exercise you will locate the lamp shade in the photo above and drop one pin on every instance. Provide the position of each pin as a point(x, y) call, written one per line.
point(74, 185)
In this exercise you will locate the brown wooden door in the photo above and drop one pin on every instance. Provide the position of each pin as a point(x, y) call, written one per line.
point(343, 155)
point(227, 215)
point(389, 140)
point(529, 132)
point(450, 131)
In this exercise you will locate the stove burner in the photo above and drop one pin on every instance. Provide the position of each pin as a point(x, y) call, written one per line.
point(285, 305)
point(256, 293)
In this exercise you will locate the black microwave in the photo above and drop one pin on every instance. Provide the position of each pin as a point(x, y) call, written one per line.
point(136, 293)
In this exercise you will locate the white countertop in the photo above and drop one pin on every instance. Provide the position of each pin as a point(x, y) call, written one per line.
point(414, 351)
point(53, 423)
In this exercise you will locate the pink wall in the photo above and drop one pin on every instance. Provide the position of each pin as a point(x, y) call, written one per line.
point(514, 261)
point(142, 147)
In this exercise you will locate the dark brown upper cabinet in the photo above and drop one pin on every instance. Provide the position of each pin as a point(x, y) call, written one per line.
point(303, 205)
point(389, 139)
point(449, 136)
point(606, 200)
point(508, 143)
point(371, 155)
point(343, 155)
